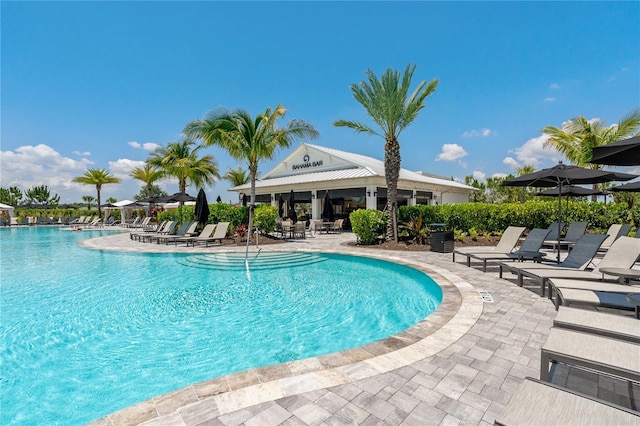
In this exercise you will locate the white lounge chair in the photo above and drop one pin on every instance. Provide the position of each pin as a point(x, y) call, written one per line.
point(204, 234)
point(507, 243)
point(219, 234)
point(599, 323)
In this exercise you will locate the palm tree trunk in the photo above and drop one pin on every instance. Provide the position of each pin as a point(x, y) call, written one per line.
point(253, 171)
point(392, 173)
point(99, 211)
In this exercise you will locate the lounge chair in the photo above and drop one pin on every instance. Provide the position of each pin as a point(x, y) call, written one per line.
point(168, 228)
point(614, 232)
point(596, 298)
point(133, 224)
point(530, 248)
point(219, 234)
point(135, 235)
point(599, 323)
point(507, 243)
point(204, 234)
point(578, 259)
point(603, 354)
point(623, 254)
point(181, 232)
point(574, 232)
point(542, 403)
point(555, 231)
point(187, 229)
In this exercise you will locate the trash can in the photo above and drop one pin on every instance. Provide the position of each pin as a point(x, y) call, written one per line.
point(441, 239)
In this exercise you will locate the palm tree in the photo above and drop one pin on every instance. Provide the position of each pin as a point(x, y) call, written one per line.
point(578, 136)
point(236, 177)
point(180, 160)
point(97, 177)
point(392, 108)
point(88, 199)
point(246, 138)
point(149, 175)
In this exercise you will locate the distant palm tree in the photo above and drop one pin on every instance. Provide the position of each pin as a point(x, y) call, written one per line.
point(148, 174)
point(180, 160)
point(88, 199)
point(237, 177)
point(97, 177)
point(578, 136)
point(388, 102)
point(521, 171)
point(246, 138)
point(112, 200)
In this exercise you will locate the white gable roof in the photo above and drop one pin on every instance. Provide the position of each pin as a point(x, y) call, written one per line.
point(313, 163)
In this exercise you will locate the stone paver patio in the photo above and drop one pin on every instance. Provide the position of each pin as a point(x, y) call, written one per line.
point(458, 366)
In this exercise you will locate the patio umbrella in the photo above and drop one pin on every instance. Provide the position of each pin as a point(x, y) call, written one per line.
point(292, 211)
point(621, 153)
point(244, 200)
point(628, 187)
point(202, 207)
point(327, 211)
point(280, 206)
point(569, 191)
point(561, 175)
point(219, 199)
point(178, 197)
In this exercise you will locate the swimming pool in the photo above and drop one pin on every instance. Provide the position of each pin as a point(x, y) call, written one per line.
point(85, 332)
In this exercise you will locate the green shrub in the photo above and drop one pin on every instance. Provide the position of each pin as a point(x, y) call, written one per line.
point(367, 225)
point(458, 235)
point(473, 234)
point(264, 217)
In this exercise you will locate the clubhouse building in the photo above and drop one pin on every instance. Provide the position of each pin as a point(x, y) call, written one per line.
point(353, 182)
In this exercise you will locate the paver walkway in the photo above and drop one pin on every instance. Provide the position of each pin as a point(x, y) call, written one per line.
point(463, 373)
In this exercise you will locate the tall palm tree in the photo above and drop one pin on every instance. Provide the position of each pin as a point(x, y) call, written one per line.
point(88, 199)
point(578, 136)
point(97, 177)
point(180, 160)
point(248, 138)
point(388, 102)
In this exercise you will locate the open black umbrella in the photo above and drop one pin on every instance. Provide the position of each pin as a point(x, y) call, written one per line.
point(280, 206)
point(202, 207)
point(108, 205)
point(628, 187)
point(561, 175)
point(178, 197)
point(292, 210)
point(569, 191)
point(621, 153)
point(327, 210)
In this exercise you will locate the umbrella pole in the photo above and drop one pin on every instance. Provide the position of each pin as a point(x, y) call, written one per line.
point(559, 217)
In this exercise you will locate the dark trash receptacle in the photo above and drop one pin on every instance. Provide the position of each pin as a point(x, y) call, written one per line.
point(441, 240)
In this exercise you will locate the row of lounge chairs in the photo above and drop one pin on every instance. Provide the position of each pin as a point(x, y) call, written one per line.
point(597, 341)
point(164, 233)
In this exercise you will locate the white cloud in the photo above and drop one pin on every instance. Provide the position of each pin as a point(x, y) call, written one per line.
point(81, 154)
point(475, 133)
point(28, 166)
point(554, 86)
point(480, 176)
point(499, 175)
point(147, 146)
point(451, 152)
point(533, 153)
point(550, 99)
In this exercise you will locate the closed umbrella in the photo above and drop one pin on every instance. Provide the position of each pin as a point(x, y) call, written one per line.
point(292, 211)
point(244, 200)
point(202, 207)
point(280, 206)
point(621, 153)
point(561, 175)
point(327, 211)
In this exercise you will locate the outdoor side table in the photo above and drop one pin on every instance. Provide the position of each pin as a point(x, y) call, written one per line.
point(625, 274)
point(635, 299)
point(522, 255)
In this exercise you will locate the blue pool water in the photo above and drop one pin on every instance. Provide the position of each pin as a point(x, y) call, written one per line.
point(85, 332)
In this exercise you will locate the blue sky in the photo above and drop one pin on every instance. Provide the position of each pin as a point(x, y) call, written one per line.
point(98, 84)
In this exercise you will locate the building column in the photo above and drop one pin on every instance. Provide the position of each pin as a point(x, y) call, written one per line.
point(372, 198)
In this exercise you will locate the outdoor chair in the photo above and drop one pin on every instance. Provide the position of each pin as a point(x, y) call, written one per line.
point(337, 226)
point(554, 235)
point(204, 234)
point(529, 249)
point(507, 243)
point(598, 353)
point(600, 323)
point(541, 403)
point(614, 232)
point(219, 234)
point(168, 228)
point(574, 232)
point(578, 259)
point(187, 229)
point(598, 298)
point(299, 230)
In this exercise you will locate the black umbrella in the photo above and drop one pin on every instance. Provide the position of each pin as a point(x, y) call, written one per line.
point(202, 207)
point(563, 174)
point(569, 191)
point(108, 205)
point(244, 200)
point(327, 210)
point(178, 197)
point(629, 187)
point(280, 206)
point(292, 211)
point(621, 153)
point(219, 199)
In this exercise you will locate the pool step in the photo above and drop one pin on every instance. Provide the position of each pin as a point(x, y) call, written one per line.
point(235, 261)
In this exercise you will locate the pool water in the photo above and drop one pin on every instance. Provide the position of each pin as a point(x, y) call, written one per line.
point(86, 333)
